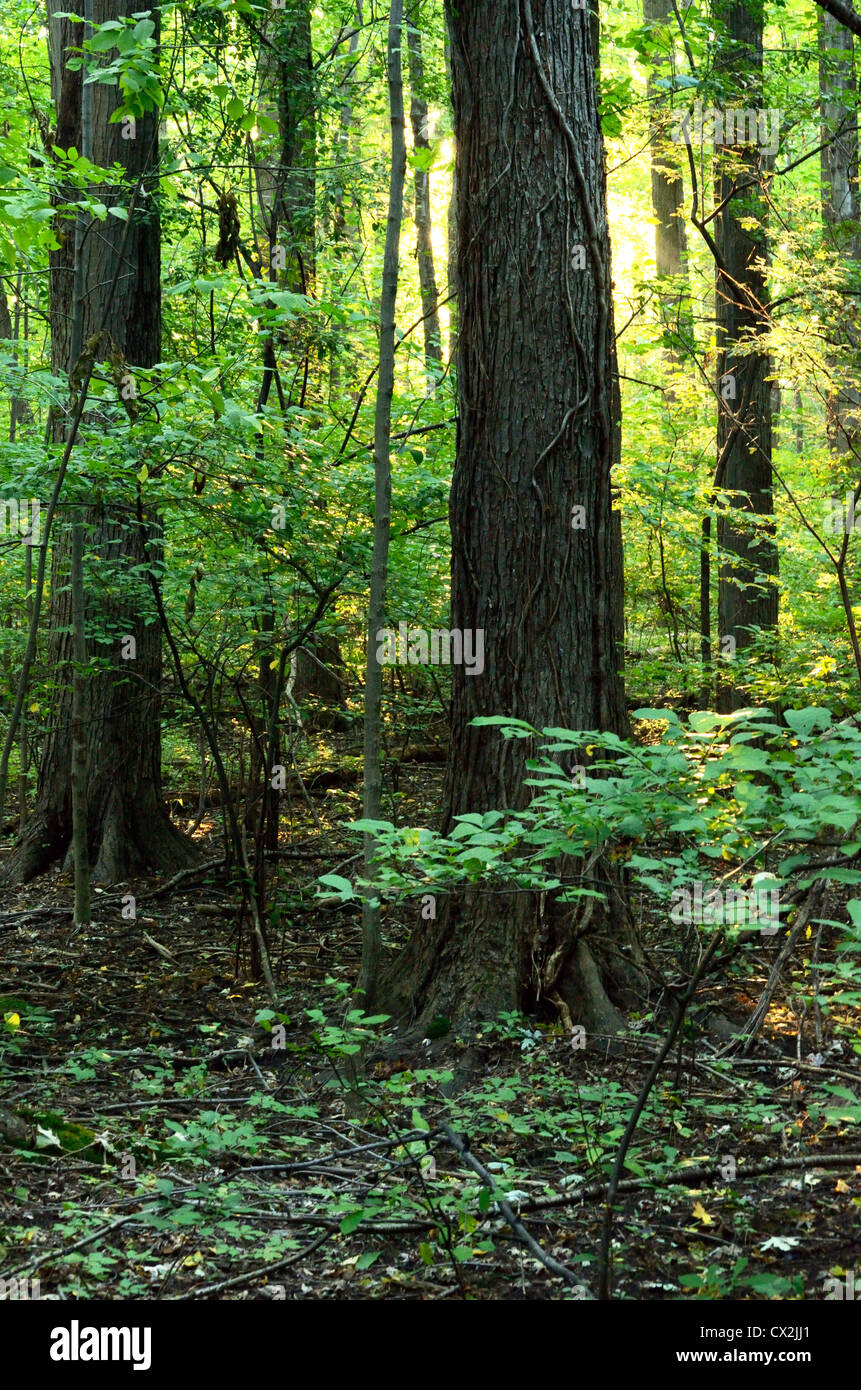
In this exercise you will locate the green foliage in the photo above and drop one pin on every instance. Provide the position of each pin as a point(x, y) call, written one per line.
point(742, 801)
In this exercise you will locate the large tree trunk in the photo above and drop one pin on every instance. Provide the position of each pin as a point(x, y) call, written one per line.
point(747, 595)
point(128, 825)
point(535, 444)
point(840, 205)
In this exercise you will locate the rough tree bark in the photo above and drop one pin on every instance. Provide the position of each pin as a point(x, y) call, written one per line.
point(747, 593)
point(128, 824)
point(536, 440)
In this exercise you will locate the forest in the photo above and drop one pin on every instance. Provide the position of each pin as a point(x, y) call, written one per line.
point(430, 657)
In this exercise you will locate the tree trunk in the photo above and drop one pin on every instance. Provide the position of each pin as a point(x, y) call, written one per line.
point(747, 594)
point(344, 231)
point(840, 204)
point(424, 225)
point(534, 564)
point(285, 169)
point(667, 197)
point(78, 780)
point(128, 824)
point(285, 164)
point(451, 238)
point(368, 974)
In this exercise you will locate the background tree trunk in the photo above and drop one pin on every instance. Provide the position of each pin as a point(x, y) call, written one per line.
point(840, 202)
point(424, 224)
point(747, 594)
point(128, 824)
point(285, 164)
point(373, 783)
point(668, 191)
point(451, 238)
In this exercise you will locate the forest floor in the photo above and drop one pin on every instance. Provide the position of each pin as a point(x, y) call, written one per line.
point(179, 1154)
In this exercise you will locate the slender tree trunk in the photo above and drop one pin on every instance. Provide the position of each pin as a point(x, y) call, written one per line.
point(424, 224)
point(79, 774)
point(534, 565)
point(285, 164)
point(451, 230)
point(840, 204)
point(19, 409)
point(747, 592)
point(667, 195)
point(368, 974)
point(285, 168)
point(23, 735)
point(80, 847)
point(344, 229)
point(18, 413)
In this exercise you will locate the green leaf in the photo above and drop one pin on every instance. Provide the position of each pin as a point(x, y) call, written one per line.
point(372, 827)
point(105, 37)
point(341, 885)
point(804, 721)
point(422, 159)
point(512, 728)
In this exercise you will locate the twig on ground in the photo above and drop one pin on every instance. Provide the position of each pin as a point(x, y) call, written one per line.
point(520, 1231)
